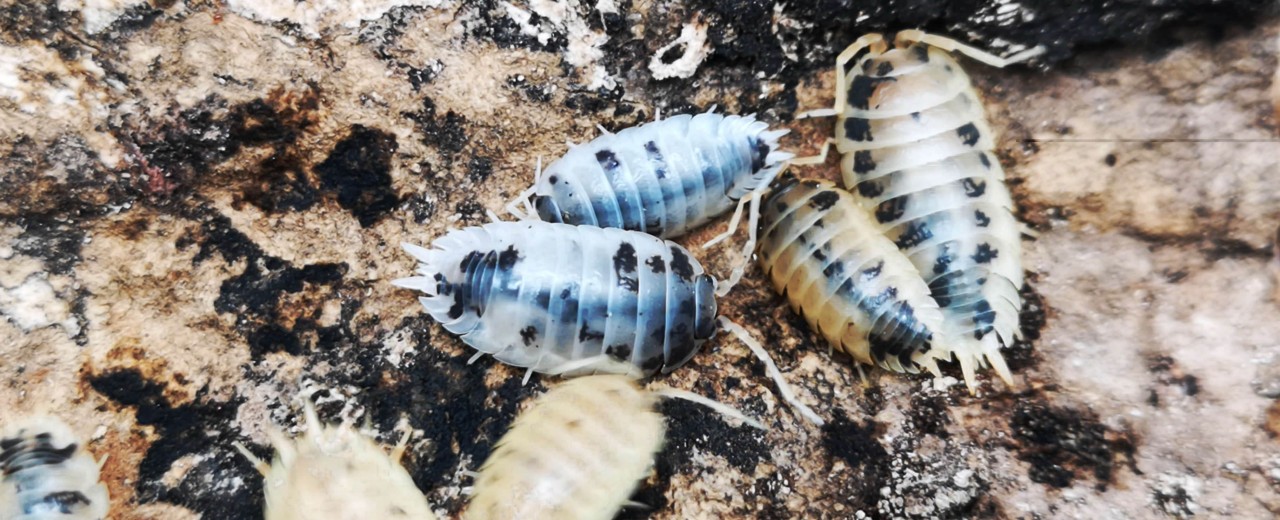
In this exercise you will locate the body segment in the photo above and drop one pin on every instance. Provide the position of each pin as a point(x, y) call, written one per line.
point(826, 255)
point(576, 454)
point(545, 296)
point(45, 474)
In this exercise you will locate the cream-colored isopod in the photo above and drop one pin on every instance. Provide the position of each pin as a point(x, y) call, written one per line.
point(578, 453)
point(337, 473)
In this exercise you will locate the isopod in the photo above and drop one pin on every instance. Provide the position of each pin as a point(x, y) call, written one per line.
point(336, 473)
point(46, 474)
point(664, 178)
point(564, 299)
point(578, 453)
point(827, 256)
point(917, 153)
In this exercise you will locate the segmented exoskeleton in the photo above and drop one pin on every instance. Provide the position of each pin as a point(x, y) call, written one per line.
point(564, 299)
point(541, 295)
point(336, 473)
point(664, 178)
point(827, 256)
point(577, 453)
point(918, 155)
point(45, 474)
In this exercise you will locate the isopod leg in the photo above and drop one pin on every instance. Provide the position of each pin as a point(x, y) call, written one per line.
point(820, 158)
point(733, 225)
point(721, 408)
point(772, 369)
point(948, 44)
point(258, 463)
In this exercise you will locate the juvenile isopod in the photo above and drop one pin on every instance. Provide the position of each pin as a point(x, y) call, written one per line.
point(664, 178)
point(577, 454)
point(918, 155)
point(826, 255)
point(45, 473)
point(336, 473)
point(564, 299)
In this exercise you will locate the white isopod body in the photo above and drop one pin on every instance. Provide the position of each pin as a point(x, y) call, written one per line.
point(337, 473)
point(918, 155)
point(45, 474)
point(578, 453)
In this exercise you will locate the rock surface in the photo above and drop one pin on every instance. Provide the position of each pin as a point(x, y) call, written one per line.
point(204, 203)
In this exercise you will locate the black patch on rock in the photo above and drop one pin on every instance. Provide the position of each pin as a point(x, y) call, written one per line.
point(1063, 444)
point(358, 173)
point(868, 463)
point(447, 134)
point(479, 169)
point(199, 428)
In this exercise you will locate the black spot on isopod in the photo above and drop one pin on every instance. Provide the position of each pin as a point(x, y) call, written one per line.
point(656, 264)
point(819, 255)
point(921, 52)
point(585, 334)
point(985, 253)
point(916, 233)
point(885, 68)
point(758, 155)
point(872, 272)
point(681, 265)
point(974, 188)
point(652, 364)
point(566, 293)
point(870, 189)
point(857, 129)
point(553, 179)
point(1110, 159)
point(624, 259)
point(915, 116)
point(834, 270)
point(65, 501)
point(891, 209)
point(656, 160)
point(981, 218)
point(819, 224)
point(620, 352)
point(607, 159)
point(969, 134)
point(508, 258)
point(942, 263)
point(529, 335)
point(823, 200)
point(862, 162)
point(862, 88)
point(986, 161)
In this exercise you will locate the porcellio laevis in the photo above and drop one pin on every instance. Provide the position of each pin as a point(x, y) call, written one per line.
point(577, 454)
point(917, 154)
point(336, 473)
point(826, 255)
point(45, 473)
point(665, 178)
point(573, 300)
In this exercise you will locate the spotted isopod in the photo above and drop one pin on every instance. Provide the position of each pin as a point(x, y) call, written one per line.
point(826, 255)
point(665, 178)
point(564, 299)
point(46, 474)
point(578, 453)
point(336, 473)
point(917, 153)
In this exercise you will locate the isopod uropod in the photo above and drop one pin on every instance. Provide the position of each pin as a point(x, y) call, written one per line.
point(664, 178)
point(337, 473)
point(46, 474)
point(918, 155)
point(564, 299)
point(577, 453)
point(825, 254)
